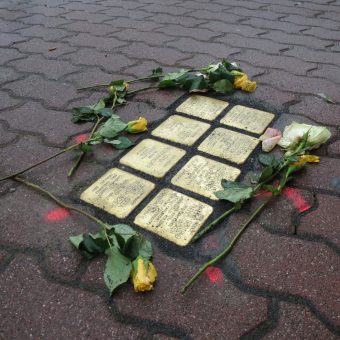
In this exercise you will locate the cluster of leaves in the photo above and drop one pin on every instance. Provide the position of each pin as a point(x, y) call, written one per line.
point(121, 244)
point(217, 77)
point(238, 193)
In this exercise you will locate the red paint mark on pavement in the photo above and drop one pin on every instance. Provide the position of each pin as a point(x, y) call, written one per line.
point(57, 214)
point(262, 193)
point(81, 138)
point(295, 196)
point(214, 275)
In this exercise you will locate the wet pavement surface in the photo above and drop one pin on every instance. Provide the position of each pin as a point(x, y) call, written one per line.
point(281, 280)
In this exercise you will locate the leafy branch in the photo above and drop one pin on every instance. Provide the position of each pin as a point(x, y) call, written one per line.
point(122, 245)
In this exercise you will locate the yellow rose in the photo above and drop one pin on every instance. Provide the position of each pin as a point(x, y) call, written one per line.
point(242, 82)
point(126, 85)
point(307, 159)
point(136, 126)
point(143, 275)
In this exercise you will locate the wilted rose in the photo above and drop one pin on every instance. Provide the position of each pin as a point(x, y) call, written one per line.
point(143, 274)
point(137, 126)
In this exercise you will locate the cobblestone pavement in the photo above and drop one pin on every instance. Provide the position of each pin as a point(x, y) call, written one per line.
point(282, 279)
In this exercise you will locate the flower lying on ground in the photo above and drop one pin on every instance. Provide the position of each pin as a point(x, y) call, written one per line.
point(307, 159)
point(270, 138)
point(293, 134)
point(143, 274)
point(241, 81)
point(136, 126)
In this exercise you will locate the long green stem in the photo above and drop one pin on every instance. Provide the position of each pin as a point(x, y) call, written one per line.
point(212, 224)
point(227, 250)
point(142, 89)
point(128, 81)
point(81, 156)
point(58, 201)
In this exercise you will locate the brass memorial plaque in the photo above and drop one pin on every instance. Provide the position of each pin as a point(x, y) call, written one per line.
point(233, 146)
point(152, 157)
point(203, 176)
point(181, 130)
point(174, 216)
point(117, 192)
point(247, 118)
point(202, 107)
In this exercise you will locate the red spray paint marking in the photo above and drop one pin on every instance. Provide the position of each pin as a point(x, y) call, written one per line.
point(57, 214)
point(81, 138)
point(295, 196)
point(214, 275)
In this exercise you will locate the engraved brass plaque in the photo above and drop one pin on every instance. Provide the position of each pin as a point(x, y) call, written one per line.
point(229, 145)
point(181, 130)
point(174, 216)
point(203, 176)
point(247, 118)
point(202, 107)
point(117, 192)
point(152, 157)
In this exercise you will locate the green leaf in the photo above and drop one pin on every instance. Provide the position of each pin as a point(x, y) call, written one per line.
point(120, 143)
point(138, 245)
point(85, 147)
point(326, 98)
point(106, 112)
point(112, 127)
point(157, 73)
point(123, 233)
point(93, 244)
point(266, 159)
point(97, 107)
point(271, 188)
point(266, 173)
point(117, 269)
point(221, 73)
point(193, 82)
point(76, 240)
point(234, 192)
point(223, 86)
point(83, 114)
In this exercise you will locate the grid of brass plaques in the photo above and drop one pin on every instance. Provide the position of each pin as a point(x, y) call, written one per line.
point(171, 214)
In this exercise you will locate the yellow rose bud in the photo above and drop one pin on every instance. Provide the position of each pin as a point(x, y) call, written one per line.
point(239, 80)
point(111, 89)
point(307, 159)
point(126, 85)
point(143, 275)
point(249, 86)
point(136, 126)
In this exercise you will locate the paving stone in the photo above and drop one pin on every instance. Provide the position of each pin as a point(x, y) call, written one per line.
point(202, 107)
point(5, 135)
point(242, 30)
point(188, 314)
point(110, 62)
point(203, 176)
point(52, 69)
point(324, 176)
point(327, 71)
point(247, 118)
point(322, 222)
point(143, 26)
point(298, 322)
point(295, 39)
point(278, 264)
point(289, 64)
point(48, 49)
point(181, 130)
point(322, 33)
point(334, 149)
point(318, 110)
point(7, 101)
point(174, 216)
point(52, 93)
point(38, 19)
point(83, 16)
point(48, 34)
point(7, 54)
point(151, 38)
point(7, 74)
point(196, 33)
point(94, 29)
point(289, 82)
point(189, 45)
point(10, 26)
point(46, 10)
point(163, 18)
point(100, 43)
point(117, 192)
point(152, 157)
point(165, 54)
point(9, 39)
point(48, 309)
point(88, 77)
point(229, 145)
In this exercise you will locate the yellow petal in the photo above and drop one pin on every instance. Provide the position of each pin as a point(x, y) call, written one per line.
point(144, 277)
point(307, 159)
point(239, 80)
point(249, 86)
point(136, 126)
